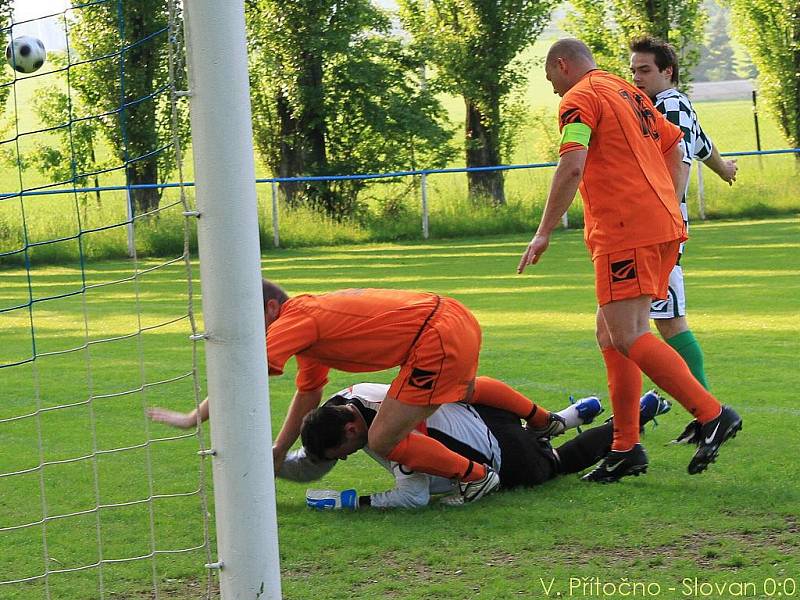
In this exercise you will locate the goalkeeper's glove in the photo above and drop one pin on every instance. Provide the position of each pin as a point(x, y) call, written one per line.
point(331, 499)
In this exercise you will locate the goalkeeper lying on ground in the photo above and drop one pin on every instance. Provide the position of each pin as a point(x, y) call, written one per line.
point(481, 433)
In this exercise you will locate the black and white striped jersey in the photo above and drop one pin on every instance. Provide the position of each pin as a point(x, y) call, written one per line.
point(679, 111)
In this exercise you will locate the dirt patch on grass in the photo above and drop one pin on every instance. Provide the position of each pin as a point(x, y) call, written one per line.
point(406, 569)
point(175, 589)
point(726, 550)
point(792, 525)
point(706, 549)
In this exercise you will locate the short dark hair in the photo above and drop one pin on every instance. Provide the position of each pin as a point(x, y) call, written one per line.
point(323, 429)
point(663, 53)
point(272, 291)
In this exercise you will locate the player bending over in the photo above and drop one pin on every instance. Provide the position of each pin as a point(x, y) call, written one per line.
point(434, 340)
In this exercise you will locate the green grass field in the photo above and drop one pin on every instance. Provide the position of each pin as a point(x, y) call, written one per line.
point(738, 523)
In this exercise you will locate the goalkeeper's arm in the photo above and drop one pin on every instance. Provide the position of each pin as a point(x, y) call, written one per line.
point(411, 490)
point(298, 466)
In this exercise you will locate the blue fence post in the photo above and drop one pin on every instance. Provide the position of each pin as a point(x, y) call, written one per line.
point(129, 226)
point(424, 187)
point(276, 240)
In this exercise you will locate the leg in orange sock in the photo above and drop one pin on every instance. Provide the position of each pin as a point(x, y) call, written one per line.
point(424, 454)
point(493, 392)
point(392, 435)
point(624, 386)
point(661, 363)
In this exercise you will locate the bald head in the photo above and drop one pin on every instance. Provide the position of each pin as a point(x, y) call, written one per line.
point(572, 51)
point(567, 62)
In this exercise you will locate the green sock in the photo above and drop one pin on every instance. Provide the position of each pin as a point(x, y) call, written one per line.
point(687, 346)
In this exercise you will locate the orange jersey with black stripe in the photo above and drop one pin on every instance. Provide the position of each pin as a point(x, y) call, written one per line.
point(354, 330)
point(628, 196)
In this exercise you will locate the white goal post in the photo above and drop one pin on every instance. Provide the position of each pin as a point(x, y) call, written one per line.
point(230, 271)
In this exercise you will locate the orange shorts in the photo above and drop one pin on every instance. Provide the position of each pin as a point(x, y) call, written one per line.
point(636, 272)
point(441, 366)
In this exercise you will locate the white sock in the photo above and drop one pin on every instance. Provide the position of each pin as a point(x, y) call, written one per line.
point(570, 415)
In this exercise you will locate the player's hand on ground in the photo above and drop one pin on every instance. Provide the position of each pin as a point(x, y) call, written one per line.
point(729, 170)
point(331, 499)
point(171, 417)
point(278, 456)
point(534, 251)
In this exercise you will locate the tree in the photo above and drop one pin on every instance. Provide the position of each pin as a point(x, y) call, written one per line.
point(7, 147)
point(69, 152)
point(716, 61)
point(288, 42)
point(75, 156)
point(608, 27)
point(473, 45)
point(6, 74)
point(380, 118)
point(333, 93)
point(770, 30)
point(128, 88)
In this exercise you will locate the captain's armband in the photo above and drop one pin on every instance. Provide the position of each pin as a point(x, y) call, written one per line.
point(576, 133)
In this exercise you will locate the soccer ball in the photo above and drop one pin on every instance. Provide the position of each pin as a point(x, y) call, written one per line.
point(26, 53)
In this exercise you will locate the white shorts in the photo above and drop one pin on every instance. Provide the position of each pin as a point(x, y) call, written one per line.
point(675, 304)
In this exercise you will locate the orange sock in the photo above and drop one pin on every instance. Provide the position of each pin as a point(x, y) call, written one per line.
point(495, 393)
point(424, 454)
point(661, 363)
point(624, 386)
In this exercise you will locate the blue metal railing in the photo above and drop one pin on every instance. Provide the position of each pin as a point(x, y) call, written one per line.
point(362, 176)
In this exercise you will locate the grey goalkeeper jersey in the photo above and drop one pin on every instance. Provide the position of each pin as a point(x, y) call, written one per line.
point(458, 426)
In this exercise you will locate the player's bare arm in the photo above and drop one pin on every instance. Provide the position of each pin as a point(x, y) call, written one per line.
point(679, 171)
point(562, 192)
point(726, 169)
point(302, 404)
point(179, 419)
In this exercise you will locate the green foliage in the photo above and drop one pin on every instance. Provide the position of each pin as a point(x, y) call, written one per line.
point(6, 72)
point(335, 92)
point(546, 135)
point(74, 155)
point(770, 30)
point(380, 119)
point(130, 87)
point(589, 22)
point(745, 69)
point(716, 61)
point(289, 44)
point(608, 27)
point(474, 45)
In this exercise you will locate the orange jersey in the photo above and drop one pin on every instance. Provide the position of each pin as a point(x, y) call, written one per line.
point(356, 330)
point(628, 196)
